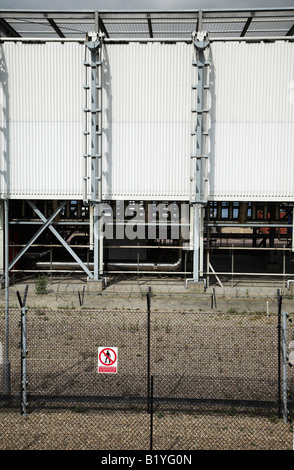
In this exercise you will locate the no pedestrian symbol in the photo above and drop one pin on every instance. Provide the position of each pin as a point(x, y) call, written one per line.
point(107, 360)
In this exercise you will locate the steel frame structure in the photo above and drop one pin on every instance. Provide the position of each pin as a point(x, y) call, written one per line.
point(244, 24)
point(268, 23)
point(125, 26)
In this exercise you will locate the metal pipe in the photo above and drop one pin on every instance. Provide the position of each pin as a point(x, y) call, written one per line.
point(227, 273)
point(247, 224)
point(112, 266)
point(196, 242)
point(146, 266)
point(96, 236)
point(248, 248)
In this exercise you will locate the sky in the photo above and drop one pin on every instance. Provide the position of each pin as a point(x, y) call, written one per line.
point(140, 4)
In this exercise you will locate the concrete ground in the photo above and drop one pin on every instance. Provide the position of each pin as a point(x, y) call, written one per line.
point(170, 293)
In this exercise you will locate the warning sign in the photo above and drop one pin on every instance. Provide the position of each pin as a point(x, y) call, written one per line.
point(107, 360)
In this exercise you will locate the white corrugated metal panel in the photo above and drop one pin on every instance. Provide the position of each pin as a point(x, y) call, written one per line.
point(252, 121)
point(147, 120)
point(43, 120)
point(148, 108)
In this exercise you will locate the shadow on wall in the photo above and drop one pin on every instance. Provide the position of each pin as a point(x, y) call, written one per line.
point(4, 126)
point(107, 128)
point(211, 129)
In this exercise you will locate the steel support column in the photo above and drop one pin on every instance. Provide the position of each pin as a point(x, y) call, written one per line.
point(96, 241)
point(196, 241)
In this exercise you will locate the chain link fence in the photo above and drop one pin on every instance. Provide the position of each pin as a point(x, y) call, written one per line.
point(185, 380)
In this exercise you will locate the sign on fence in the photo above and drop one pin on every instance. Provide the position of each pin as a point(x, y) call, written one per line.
point(107, 360)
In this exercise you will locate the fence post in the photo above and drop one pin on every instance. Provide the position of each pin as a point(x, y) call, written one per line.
point(148, 348)
point(213, 298)
point(6, 363)
point(285, 363)
point(279, 354)
point(151, 415)
point(24, 351)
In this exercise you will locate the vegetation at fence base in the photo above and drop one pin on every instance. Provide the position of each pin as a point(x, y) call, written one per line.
point(41, 285)
point(80, 409)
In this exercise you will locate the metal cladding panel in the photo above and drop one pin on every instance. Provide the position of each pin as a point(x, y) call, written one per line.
point(252, 121)
point(148, 120)
point(42, 120)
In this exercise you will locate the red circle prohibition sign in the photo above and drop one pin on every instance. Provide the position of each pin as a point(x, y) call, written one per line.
point(111, 361)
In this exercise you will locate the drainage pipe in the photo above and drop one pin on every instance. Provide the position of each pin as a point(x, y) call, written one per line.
point(113, 266)
point(146, 266)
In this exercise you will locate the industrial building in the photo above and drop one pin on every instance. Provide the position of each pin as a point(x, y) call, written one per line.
point(147, 142)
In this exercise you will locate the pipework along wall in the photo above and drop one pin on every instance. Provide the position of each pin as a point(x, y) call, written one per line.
point(147, 120)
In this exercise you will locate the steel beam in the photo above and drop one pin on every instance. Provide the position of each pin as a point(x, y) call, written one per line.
point(291, 31)
point(55, 27)
point(6, 28)
point(247, 24)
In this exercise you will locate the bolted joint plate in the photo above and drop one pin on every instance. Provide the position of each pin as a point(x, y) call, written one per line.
point(93, 44)
point(201, 40)
point(93, 40)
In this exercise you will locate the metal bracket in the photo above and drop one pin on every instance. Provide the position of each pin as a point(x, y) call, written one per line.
point(202, 41)
point(93, 40)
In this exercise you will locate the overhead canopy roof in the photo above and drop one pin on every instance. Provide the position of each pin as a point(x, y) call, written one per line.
point(239, 23)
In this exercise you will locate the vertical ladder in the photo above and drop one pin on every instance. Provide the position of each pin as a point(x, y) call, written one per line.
point(94, 43)
point(95, 110)
point(199, 179)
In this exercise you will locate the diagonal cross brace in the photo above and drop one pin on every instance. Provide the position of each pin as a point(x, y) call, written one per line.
point(62, 241)
point(37, 234)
